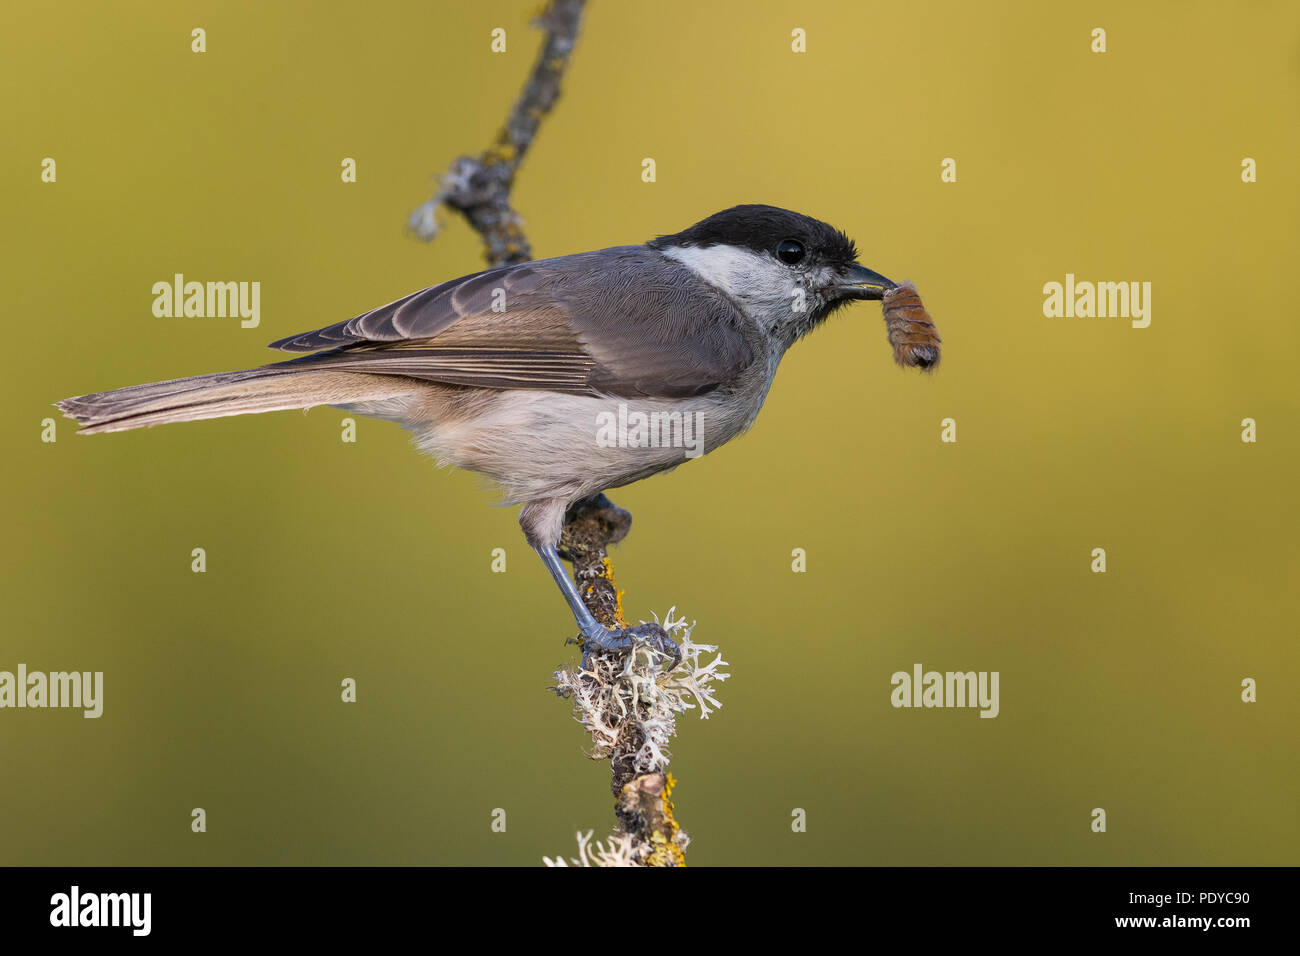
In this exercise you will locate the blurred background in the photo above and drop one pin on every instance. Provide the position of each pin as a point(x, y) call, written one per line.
point(1118, 690)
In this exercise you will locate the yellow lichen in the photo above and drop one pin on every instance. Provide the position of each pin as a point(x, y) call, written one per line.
point(667, 852)
point(607, 572)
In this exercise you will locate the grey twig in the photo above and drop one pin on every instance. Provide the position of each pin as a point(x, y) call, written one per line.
point(478, 187)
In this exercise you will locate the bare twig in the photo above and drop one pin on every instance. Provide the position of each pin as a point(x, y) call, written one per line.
point(478, 187)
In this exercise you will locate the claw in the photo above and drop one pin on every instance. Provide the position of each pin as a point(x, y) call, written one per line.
point(622, 640)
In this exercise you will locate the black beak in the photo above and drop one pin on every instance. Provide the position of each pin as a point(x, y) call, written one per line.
point(859, 282)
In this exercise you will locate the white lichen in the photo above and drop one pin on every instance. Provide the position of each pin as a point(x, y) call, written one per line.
point(616, 851)
point(633, 700)
point(629, 704)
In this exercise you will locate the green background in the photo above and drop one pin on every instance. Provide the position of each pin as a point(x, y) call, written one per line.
point(329, 560)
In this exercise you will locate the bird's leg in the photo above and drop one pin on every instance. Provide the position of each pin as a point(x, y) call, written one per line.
point(596, 636)
point(586, 622)
point(590, 526)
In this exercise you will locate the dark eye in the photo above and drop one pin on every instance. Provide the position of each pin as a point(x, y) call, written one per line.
point(789, 251)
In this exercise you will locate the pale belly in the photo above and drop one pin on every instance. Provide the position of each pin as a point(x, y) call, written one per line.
point(547, 445)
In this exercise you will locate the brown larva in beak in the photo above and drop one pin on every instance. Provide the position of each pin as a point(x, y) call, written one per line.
point(911, 330)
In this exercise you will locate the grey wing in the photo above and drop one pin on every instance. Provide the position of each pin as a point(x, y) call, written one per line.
point(421, 315)
point(625, 321)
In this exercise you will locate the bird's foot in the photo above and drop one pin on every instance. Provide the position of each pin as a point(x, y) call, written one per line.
point(624, 639)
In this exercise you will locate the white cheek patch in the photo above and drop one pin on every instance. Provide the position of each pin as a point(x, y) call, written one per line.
point(739, 272)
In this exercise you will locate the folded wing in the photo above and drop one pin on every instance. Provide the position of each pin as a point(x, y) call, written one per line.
point(625, 321)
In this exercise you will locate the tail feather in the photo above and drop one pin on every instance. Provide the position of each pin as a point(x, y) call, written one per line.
point(270, 389)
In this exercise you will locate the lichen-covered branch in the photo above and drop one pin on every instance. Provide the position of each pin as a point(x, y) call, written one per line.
point(629, 703)
point(478, 187)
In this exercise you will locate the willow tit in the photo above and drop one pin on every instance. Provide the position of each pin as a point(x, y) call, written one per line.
point(561, 378)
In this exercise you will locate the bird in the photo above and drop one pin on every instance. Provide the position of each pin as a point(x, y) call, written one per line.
point(521, 372)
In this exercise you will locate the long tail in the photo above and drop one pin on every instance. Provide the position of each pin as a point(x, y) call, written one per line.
point(270, 389)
